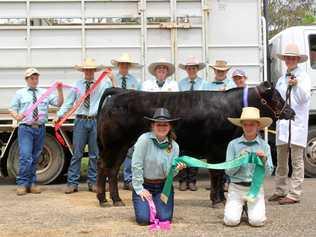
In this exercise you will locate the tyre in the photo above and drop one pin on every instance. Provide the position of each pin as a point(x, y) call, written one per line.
point(310, 153)
point(50, 164)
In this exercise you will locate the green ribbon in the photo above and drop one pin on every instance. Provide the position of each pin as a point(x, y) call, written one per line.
point(251, 157)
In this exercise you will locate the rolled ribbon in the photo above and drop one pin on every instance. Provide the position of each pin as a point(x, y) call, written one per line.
point(77, 104)
point(155, 223)
point(251, 157)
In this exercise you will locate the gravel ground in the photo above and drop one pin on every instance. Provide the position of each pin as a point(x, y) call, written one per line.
point(53, 213)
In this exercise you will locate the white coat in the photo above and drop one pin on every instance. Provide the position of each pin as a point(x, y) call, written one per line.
point(300, 101)
point(168, 86)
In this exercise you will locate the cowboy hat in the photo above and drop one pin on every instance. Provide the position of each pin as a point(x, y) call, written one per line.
point(161, 62)
point(124, 58)
point(251, 113)
point(161, 115)
point(292, 51)
point(88, 63)
point(220, 65)
point(30, 71)
point(192, 61)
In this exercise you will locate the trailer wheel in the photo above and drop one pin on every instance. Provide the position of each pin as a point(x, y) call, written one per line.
point(310, 153)
point(50, 164)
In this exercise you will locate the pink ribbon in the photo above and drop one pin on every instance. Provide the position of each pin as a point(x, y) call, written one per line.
point(155, 223)
point(47, 93)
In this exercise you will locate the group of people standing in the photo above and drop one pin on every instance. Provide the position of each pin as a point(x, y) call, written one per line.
point(148, 161)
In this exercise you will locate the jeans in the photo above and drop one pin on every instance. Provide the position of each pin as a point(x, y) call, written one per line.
point(31, 142)
point(84, 132)
point(127, 171)
point(141, 208)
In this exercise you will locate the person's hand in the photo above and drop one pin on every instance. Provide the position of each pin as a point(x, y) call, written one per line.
point(59, 85)
point(55, 120)
point(19, 117)
point(292, 81)
point(261, 155)
point(181, 166)
point(145, 195)
point(111, 76)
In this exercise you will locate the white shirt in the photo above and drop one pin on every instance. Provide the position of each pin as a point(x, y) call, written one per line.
point(300, 101)
point(168, 86)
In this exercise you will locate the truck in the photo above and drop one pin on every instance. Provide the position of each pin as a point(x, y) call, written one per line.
point(53, 36)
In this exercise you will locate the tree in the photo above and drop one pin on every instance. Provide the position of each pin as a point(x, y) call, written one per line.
point(286, 13)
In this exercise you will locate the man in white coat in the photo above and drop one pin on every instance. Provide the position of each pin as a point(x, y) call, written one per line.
point(161, 70)
point(290, 192)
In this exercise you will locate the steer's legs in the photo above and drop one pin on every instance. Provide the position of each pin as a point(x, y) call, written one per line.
point(217, 190)
point(101, 182)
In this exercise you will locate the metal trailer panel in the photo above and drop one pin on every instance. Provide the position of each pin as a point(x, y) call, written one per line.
point(55, 35)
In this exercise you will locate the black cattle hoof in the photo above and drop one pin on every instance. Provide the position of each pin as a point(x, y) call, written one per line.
point(118, 204)
point(104, 204)
point(218, 205)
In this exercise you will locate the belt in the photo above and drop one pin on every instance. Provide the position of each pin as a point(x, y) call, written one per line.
point(81, 116)
point(32, 125)
point(245, 184)
point(154, 181)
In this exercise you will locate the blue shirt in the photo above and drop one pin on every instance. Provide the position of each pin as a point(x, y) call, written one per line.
point(95, 97)
point(149, 161)
point(224, 85)
point(131, 82)
point(23, 99)
point(199, 84)
point(238, 147)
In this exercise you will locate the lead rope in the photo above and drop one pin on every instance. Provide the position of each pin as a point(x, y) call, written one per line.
point(288, 99)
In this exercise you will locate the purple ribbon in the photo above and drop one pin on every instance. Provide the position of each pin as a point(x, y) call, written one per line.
point(155, 223)
point(245, 97)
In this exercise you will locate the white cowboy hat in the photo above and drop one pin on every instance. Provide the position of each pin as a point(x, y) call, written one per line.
point(89, 63)
point(192, 61)
point(251, 113)
point(124, 58)
point(30, 71)
point(220, 65)
point(161, 62)
point(293, 51)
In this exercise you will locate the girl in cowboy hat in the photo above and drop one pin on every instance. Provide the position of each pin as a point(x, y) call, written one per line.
point(300, 82)
point(152, 159)
point(221, 82)
point(85, 124)
point(241, 177)
point(161, 70)
point(187, 178)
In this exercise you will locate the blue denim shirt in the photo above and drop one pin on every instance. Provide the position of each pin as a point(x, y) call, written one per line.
point(224, 85)
point(23, 99)
point(240, 146)
point(95, 97)
point(131, 82)
point(149, 161)
point(185, 84)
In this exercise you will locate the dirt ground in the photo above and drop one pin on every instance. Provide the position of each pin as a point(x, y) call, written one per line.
point(53, 213)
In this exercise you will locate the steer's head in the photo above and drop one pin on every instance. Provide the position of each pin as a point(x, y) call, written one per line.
point(271, 99)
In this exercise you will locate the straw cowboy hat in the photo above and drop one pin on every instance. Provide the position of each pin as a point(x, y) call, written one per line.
point(161, 62)
point(124, 58)
point(192, 61)
point(220, 65)
point(251, 113)
point(293, 51)
point(89, 63)
point(161, 115)
point(30, 71)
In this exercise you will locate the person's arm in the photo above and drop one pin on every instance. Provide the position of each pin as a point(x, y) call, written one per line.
point(14, 108)
point(268, 164)
point(69, 103)
point(302, 90)
point(138, 165)
point(111, 77)
point(230, 155)
point(59, 99)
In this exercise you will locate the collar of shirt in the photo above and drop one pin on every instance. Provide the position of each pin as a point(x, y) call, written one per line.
point(243, 140)
point(225, 81)
point(120, 76)
point(31, 89)
point(195, 79)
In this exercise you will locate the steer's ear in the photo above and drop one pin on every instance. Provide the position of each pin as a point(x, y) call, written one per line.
point(267, 85)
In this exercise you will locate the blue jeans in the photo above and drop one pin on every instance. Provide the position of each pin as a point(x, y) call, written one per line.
point(141, 208)
point(127, 171)
point(31, 142)
point(84, 132)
